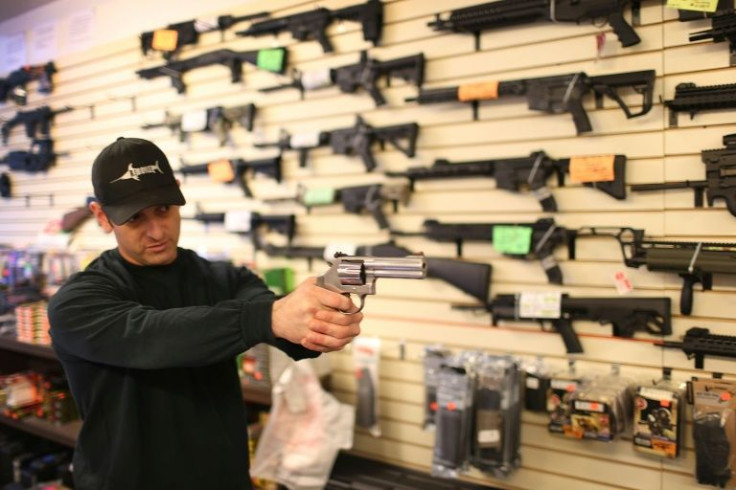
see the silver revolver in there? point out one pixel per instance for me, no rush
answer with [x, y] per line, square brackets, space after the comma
[350, 274]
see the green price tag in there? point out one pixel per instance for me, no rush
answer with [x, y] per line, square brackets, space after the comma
[516, 240]
[319, 196]
[698, 5]
[271, 59]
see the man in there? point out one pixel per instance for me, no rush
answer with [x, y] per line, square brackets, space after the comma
[148, 333]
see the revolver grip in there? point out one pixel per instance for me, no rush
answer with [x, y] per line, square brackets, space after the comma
[625, 33]
[569, 337]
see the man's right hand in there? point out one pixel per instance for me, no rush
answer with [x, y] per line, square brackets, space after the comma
[312, 316]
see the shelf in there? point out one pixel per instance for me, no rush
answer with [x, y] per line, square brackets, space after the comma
[62, 434]
[36, 350]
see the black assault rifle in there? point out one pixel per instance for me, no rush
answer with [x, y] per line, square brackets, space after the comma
[39, 158]
[36, 121]
[472, 278]
[363, 74]
[187, 32]
[723, 28]
[355, 140]
[695, 262]
[284, 224]
[693, 99]
[357, 199]
[270, 167]
[218, 120]
[273, 60]
[720, 177]
[553, 95]
[505, 13]
[312, 24]
[15, 83]
[515, 174]
[531, 241]
[627, 315]
[698, 342]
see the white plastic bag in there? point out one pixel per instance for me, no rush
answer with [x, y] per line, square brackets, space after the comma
[305, 430]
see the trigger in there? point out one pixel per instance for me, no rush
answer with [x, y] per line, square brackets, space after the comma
[360, 308]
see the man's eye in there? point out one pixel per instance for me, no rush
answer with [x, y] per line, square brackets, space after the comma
[163, 209]
[134, 218]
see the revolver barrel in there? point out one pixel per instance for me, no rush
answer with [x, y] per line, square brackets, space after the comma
[358, 275]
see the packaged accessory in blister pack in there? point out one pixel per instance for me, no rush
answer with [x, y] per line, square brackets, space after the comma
[714, 430]
[659, 411]
[434, 356]
[562, 386]
[497, 416]
[536, 385]
[366, 357]
[602, 409]
[455, 388]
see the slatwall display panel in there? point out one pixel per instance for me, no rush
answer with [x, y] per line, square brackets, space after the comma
[109, 100]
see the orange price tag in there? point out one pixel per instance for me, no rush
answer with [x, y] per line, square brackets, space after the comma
[596, 168]
[725, 396]
[664, 403]
[221, 171]
[164, 40]
[477, 91]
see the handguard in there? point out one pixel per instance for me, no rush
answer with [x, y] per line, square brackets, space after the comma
[357, 275]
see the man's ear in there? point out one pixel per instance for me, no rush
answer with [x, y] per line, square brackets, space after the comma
[100, 216]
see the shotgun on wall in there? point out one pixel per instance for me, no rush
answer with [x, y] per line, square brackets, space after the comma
[504, 13]
[695, 262]
[553, 95]
[627, 315]
[526, 241]
[473, 278]
[531, 173]
[311, 24]
[273, 60]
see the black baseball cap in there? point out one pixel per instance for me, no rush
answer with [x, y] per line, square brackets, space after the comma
[132, 174]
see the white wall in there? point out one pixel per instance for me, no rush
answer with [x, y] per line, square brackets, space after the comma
[112, 20]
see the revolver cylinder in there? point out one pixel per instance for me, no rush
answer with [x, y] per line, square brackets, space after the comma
[358, 275]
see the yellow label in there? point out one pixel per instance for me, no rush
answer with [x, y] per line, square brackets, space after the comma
[478, 91]
[221, 171]
[165, 40]
[594, 168]
[699, 5]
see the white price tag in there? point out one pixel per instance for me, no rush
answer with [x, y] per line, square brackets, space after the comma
[305, 140]
[194, 121]
[540, 305]
[316, 79]
[238, 221]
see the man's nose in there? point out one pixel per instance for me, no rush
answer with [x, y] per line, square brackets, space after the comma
[156, 228]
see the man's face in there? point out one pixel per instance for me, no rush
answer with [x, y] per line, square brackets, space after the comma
[150, 237]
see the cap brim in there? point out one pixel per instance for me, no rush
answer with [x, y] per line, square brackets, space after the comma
[121, 212]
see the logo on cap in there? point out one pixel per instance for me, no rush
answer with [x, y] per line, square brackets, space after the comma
[134, 173]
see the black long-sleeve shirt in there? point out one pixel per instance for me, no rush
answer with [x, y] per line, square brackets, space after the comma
[149, 354]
